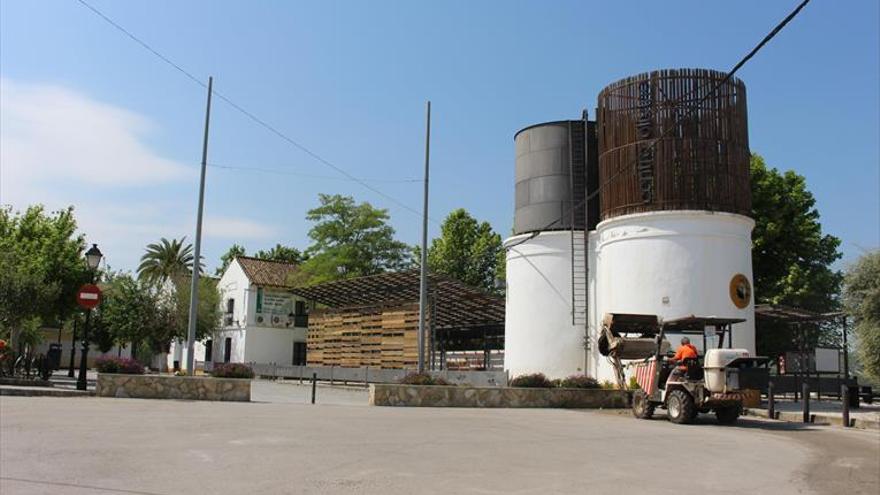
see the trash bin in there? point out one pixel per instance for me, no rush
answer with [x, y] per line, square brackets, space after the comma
[53, 356]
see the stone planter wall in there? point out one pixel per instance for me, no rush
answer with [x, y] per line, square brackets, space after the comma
[173, 387]
[449, 396]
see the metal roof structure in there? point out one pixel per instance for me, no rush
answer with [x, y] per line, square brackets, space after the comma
[454, 304]
[268, 273]
[788, 314]
[697, 324]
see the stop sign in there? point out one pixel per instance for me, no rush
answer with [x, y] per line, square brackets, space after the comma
[88, 296]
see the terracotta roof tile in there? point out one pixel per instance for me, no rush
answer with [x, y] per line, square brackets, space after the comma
[268, 272]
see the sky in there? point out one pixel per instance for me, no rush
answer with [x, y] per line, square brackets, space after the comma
[90, 118]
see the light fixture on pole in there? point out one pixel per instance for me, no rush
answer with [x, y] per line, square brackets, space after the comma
[88, 297]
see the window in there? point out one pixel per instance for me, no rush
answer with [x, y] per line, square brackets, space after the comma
[230, 306]
[299, 353]
[227, 351]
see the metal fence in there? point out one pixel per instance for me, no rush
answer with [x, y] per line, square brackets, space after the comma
[372, 375]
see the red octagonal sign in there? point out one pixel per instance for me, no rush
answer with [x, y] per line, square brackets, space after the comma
[88, 296]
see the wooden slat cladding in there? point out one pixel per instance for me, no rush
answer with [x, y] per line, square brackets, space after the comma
[375, 336]
[701, 162]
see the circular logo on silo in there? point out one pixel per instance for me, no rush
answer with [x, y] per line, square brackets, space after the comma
[740, 291]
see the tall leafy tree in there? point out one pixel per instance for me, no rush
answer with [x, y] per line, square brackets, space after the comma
[467, 250]
[233, 252]
[350, 239]
[791, 257]
[862, 303]
[288, 254]
[42, 266]
[167, 260]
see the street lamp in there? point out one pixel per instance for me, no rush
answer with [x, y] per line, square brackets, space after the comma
[93, 259]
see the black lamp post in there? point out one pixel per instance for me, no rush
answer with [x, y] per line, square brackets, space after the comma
[93, 259]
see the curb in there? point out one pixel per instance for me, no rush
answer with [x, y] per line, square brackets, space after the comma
[13, 391]
[819, 419]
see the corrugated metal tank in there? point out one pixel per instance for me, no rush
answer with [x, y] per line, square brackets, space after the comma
[551, 177]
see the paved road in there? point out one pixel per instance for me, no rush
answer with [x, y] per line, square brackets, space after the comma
[91, 445]
[291, 392]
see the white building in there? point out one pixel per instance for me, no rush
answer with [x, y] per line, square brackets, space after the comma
[262, 321]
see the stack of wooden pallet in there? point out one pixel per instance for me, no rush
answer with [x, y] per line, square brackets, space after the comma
[385, 337]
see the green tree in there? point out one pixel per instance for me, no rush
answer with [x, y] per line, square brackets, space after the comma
[207, 315]
[351, 240]
[42, 267]
[467, 250]
[167, 260]
[862, 303]
[130, 312]
[234, 251]
[24, 294]
[791, 257]
[287, 254]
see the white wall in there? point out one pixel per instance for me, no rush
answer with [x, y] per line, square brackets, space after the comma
[538, 334]
[238, 336]
[272, 345]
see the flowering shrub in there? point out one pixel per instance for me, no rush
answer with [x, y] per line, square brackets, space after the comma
[422, 379]
[126, 366]
[579, 381]
[232, 370]
[534, 380]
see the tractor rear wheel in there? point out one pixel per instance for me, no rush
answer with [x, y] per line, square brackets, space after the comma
[680, 407]
[728, 415]
[642, 408]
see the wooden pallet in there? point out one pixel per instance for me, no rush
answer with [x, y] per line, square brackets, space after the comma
[385, 337]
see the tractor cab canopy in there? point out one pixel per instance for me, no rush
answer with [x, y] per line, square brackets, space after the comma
[698, 325]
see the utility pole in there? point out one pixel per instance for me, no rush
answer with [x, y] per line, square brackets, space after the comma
[197, 254]
[423, 285]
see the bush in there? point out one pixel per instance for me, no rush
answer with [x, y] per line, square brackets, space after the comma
[232, 370]
[422, 379]
[125, 366]
[534, 380]
[579, 381]
[633, 383]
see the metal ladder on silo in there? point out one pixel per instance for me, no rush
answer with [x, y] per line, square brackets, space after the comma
[578, 278]
[577, 209]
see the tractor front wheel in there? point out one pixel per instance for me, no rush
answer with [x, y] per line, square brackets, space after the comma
[680, 407]
[728, 415]
[642, 408]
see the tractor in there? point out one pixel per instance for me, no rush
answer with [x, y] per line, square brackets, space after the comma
[708, 383]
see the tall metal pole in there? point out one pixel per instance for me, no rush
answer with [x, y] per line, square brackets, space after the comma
[423, 286]
[197, 251]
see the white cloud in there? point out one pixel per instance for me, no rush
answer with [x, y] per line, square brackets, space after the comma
[59, 147]
[50, 133]
[237, 228]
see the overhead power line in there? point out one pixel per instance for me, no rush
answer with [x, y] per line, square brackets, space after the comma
[301, 174]
[680, 117]
[247, 113]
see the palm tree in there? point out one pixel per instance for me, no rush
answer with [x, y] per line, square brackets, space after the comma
[167, 260]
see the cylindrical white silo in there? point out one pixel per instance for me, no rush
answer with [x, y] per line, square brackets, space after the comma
[545, 323]
[540, 335]
[675, 263]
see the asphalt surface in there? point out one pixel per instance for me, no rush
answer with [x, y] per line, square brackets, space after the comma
[93, 445]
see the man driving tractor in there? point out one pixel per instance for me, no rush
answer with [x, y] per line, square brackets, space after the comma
[686, 351]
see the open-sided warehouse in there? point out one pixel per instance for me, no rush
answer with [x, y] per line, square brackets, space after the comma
[373, 321]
